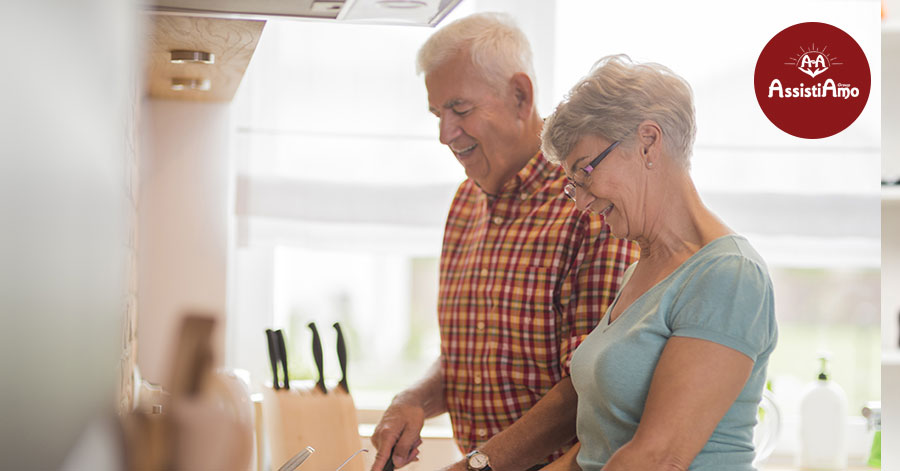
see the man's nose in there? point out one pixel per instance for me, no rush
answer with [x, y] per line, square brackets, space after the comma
[450, 130]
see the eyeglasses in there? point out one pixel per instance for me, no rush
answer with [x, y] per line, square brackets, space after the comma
[570, 188]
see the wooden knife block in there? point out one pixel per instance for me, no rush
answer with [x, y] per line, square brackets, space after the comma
[294, 419]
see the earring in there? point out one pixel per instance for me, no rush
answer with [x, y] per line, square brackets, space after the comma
[649, 164]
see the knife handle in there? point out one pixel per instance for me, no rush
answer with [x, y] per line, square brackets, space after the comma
[389, 465]
[342, 356]
[273, 357]
[317, 355]
[282, 352]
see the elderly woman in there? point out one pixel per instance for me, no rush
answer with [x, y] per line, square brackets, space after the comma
[671, 377]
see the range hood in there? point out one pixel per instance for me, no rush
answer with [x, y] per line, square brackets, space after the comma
[408, 12]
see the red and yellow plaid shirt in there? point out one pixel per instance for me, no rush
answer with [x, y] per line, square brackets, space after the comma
[525, 276]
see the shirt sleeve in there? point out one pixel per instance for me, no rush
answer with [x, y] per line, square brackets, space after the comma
[727, 300]
[592, 282]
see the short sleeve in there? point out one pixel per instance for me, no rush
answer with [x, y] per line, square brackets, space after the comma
[728, 300]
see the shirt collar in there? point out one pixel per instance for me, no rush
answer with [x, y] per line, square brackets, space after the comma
[529, 179]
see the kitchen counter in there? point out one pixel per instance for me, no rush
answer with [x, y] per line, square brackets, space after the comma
[793, 468]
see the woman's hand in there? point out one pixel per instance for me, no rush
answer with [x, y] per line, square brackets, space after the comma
[695, 383]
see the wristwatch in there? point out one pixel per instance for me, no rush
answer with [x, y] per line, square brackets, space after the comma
[477, 461]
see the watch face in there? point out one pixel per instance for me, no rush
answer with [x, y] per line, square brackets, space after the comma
[478, 461]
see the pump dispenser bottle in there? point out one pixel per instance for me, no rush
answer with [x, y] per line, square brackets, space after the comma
[823, 423]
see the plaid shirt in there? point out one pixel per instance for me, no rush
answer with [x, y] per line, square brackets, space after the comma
[525, 276]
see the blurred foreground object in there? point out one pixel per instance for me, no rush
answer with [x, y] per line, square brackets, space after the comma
[65, 151]
[208, 420]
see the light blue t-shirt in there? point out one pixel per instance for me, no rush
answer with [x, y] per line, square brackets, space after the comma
[723, 294]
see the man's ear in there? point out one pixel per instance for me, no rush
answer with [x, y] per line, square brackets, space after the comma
[523, 93]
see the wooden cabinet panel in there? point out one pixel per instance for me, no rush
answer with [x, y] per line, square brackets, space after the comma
[232, 42]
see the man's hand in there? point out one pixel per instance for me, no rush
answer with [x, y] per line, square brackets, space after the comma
[397, 434]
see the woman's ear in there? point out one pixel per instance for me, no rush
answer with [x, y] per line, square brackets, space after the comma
[523, 92]
[649, 138]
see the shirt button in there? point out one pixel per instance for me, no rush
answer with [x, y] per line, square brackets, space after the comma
[477, 379]
[498, 220]
[481, 326]
[482, 432]
[484, 272]
[523, 196]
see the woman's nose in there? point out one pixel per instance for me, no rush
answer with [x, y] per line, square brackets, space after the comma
[583, 198]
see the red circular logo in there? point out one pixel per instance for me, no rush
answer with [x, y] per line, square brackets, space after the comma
[812, 80]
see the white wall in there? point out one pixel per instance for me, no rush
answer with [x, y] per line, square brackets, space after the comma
[64, 98]
[890, 242]
[183, 218]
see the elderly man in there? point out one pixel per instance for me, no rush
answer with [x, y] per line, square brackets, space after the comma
[524, 275]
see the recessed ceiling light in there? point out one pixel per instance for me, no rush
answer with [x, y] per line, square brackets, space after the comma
[182, 56]
[402, 3]
[409, 12]
[180, 83]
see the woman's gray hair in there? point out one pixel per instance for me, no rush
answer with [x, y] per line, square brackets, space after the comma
[496, 47]
[614, 99]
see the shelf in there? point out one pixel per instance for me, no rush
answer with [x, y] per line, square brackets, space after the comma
[890, 194]
[890, 27]
[890, 357]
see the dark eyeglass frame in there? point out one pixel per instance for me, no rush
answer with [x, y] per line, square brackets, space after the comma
[569, 189]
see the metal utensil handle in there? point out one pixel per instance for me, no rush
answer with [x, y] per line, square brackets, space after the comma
[317, 355]
[282, 352]
[297, 459]
[342, 356]
[350, 458]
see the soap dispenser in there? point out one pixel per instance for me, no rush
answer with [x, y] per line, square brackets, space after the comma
[872, 413]
[823, 423]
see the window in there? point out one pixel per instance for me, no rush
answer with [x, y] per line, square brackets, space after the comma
[342, 186]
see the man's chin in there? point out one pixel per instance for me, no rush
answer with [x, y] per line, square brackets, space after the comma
[475, 171]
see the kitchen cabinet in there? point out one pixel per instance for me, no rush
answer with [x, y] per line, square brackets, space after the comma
[231, 41]
[794, 468]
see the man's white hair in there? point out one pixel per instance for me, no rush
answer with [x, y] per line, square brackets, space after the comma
[496, 47]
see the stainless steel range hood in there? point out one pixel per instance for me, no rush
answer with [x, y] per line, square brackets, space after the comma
[408, 12]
